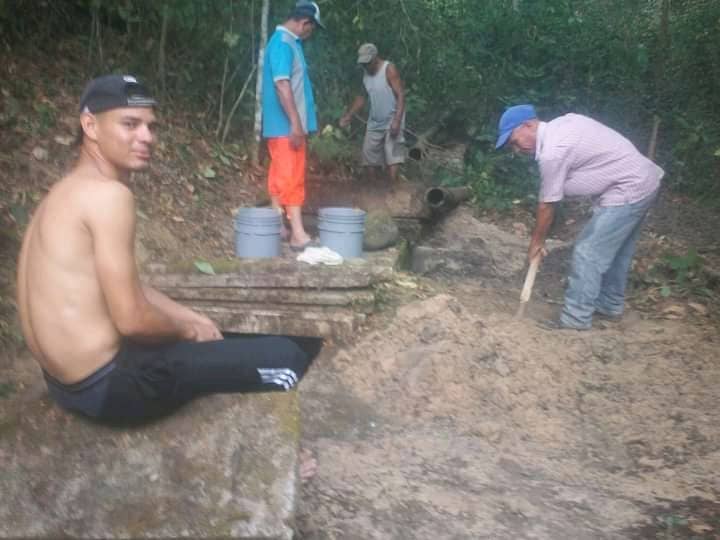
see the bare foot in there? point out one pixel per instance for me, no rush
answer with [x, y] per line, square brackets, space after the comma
[308, 465]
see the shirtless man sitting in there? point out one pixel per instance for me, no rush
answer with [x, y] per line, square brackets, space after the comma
[110, 347]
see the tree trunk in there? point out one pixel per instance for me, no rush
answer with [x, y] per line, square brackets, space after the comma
[662, 95]
[258, 86]
[95, 37]
[161, 52]
[652, 147]
[221, 106]
[235, 105]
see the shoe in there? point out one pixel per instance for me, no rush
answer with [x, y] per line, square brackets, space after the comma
[606, 317]
[301, 248]
[554, 325]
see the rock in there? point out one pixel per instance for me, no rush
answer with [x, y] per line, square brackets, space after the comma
[222, 467]
[463, 246]
[432, 262]
[40, 153]
[380, 230]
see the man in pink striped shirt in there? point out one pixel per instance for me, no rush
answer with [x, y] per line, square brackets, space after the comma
[580, 157]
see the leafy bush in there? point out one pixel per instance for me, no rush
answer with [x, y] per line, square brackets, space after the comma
[331, 147]
[499, 179]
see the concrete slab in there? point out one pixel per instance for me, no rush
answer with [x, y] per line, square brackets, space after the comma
[340, 324]
[222, 467]
[277, 273]
[280, 296]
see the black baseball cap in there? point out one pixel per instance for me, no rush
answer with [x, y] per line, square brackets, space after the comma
[115, 92]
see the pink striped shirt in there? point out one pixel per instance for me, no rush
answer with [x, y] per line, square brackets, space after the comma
[580, 157]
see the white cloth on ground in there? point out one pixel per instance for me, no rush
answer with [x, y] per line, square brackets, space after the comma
[320, 255]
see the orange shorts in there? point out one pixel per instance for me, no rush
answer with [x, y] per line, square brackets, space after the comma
[286, 177]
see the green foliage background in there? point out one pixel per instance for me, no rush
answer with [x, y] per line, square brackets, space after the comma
[620, 61]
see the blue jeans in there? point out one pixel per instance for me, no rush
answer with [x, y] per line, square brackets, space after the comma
[601, 262]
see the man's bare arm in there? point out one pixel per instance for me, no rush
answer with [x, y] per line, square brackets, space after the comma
[204, 326]
[111, 221]
[395, 82]
[287, 100]
[544, 219]
[355, 107]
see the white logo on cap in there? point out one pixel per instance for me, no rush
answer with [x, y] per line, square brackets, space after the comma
[129, 79]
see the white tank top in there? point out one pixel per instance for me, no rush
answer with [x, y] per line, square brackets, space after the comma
[382, 99]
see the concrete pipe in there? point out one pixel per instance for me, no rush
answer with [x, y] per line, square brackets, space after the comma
[442, 199]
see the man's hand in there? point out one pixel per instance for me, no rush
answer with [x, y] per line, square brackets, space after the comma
[536, 249]
[197, 330]
[395, 128]
[205, 328]
[345, 120]
[297, 137]
[207, 332]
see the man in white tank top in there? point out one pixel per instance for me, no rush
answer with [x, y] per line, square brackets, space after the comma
[384, 144]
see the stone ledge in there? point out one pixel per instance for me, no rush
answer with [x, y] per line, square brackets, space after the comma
[224, 466]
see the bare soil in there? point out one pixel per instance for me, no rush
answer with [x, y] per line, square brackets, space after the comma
[452, 419]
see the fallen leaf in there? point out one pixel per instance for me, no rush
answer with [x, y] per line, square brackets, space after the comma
[65, 140]
[205, 267]
[209, 172]
[178, 219]
[406, 283]
[702, 310]
[674, 312]
[700, 527]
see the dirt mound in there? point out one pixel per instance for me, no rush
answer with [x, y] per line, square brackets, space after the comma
[513, 431]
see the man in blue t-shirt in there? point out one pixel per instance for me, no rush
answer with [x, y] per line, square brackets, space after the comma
[289, 116]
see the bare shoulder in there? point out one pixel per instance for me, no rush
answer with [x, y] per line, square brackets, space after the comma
[392, 70]
[100, 197]
[392, 74]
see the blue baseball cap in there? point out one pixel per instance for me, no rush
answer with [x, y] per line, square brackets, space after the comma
[512, 118]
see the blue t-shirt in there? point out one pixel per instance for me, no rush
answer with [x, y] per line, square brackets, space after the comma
[284, 59]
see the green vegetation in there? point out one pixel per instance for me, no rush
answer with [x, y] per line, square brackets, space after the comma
[632, 65]
[679, 275]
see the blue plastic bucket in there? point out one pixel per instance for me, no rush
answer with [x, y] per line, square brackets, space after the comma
[257, 232]
[342, 230]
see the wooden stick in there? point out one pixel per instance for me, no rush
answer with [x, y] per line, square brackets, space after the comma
[528, 285]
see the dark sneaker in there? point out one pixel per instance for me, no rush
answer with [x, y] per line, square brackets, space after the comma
[551, 324]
